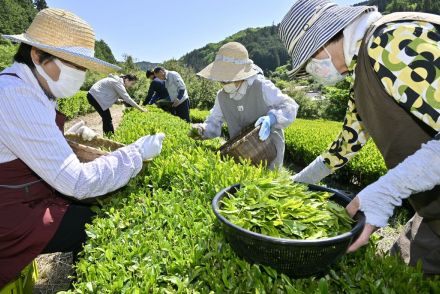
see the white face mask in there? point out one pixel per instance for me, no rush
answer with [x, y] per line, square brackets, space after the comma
[230, 88]
[68, 83]
[324, 71]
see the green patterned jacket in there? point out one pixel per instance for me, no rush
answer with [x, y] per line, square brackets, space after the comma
[406, 58]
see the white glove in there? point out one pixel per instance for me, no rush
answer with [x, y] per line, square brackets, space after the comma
[87, 133]
[150, 146]
[81, 129]
[73, 129]
[196, 131]
[313, 173]
[417, 173]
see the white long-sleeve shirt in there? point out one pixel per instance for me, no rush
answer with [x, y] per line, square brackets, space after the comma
[107, 91]
[28, 131]
[282, 107]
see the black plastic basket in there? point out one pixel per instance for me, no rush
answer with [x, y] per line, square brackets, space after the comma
[296, 258]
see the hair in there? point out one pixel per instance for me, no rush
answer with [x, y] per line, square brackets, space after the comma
[23, 55]
[149, 73]
[130, 77]
[158, 69]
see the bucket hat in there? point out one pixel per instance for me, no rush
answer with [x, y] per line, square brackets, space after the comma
[66, 36]
[310, 24]
[231, 64]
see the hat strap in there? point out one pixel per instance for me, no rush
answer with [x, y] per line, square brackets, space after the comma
[319, 10]
[232, 60]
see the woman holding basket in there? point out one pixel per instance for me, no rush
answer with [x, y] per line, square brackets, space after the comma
[246, 98]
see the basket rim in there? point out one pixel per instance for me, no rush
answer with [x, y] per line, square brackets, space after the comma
[359, 218]
[240, 138]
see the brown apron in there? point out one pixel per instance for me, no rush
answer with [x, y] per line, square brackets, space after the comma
[30, 213]
[398, 134]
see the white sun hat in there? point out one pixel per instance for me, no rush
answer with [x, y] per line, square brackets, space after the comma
[231, 64]
[66, 36]
[310, 24]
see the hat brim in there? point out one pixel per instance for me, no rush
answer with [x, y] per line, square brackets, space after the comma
[334, 20]
[222, 71]
[72, 56]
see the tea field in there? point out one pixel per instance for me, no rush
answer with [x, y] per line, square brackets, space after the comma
[306, 139]
[159, 234]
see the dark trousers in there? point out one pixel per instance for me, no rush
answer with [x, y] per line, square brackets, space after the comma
[71, 233]
[107, 122]
[182, 111]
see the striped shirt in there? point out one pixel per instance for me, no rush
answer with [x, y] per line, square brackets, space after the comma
[28, 131]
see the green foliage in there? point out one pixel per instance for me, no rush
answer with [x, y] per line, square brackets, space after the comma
[139, 91]
[91, 78]
[337, 100]
[379, 3]
[263, 44]
[7, 52]
[40, 4]
[103, 51]
[281, 208]
[16, 16]
[308, 108]
[306, 139]
[75, 105]
[159, 234]
[388, 6]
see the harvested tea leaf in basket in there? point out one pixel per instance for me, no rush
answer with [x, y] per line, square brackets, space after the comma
[284, 209]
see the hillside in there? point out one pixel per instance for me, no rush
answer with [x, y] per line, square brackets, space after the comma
[145, 65]
[388, 6]
[264, 46]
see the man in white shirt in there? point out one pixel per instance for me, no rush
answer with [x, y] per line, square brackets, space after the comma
[177, 90]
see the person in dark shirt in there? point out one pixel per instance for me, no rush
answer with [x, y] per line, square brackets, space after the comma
[157, 90]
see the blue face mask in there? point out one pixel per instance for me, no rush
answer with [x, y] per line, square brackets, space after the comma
[324, 71]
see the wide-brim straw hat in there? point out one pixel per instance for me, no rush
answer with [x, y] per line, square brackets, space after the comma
[66, 36]
[310, 24]
[231, 64]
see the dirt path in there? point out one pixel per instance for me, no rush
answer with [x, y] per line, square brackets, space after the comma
[54, 269]
[94, 121]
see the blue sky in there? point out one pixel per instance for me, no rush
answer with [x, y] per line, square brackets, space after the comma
[160, 30]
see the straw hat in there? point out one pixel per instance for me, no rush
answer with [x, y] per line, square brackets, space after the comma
[64, 35]
[310, 24]
[231, 64]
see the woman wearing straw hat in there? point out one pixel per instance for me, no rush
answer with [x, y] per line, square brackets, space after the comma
[246, 98]
[395, 62]
[37, 166]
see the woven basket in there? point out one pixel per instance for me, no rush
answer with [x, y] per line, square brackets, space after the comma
[248, 145]
[296, 258]
[90, 150]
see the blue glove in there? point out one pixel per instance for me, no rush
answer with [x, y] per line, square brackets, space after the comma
[266, 122]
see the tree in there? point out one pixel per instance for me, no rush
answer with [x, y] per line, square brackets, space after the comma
[103, 51]
[128, 65]
[40, 4]
[16, 16]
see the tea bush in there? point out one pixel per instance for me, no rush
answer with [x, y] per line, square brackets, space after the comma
[306, 139]
[75, 105]
[159, 234]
